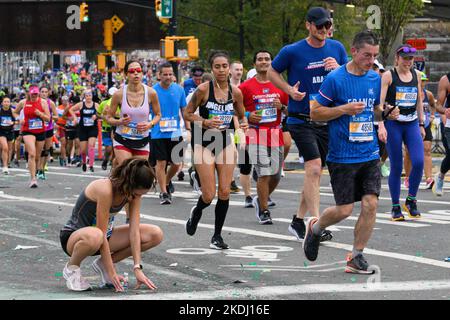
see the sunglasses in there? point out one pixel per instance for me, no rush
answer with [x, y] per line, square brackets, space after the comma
[327, 25]
[407, 50]
[133, 70]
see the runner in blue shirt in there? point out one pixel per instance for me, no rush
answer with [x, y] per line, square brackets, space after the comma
[192, 83]
[308, 62]
[349, 99]
[166, 134]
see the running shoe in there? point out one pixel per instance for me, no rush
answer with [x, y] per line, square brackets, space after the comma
[98, 267]
[358, 265]
[264, 217]
[438, 187]
[33, 183]
[429, 183]
[196, 182]
[170, 188]
[61, 162]
[397, 214]
[326, 236]
[218, 244]
[271, 203]
[46, 167]
[297, 228]
[84, 167]
[248, 202]
[105, 164]
[192, 223]
[311, 242]
[65, 163]
[164, 198]
[385, 171]
[234, 188]
[5, 170]
[40, 175]
[410, 206]
[16, 163]
[180, 176]
[74, 280]
[406, 183]
[91, 169]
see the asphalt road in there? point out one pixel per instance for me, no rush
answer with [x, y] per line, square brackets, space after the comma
[263, 262]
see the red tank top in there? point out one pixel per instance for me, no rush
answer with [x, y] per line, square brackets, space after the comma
[33, 123]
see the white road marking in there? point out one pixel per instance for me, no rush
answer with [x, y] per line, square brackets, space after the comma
[267, 292]
[337, 227]
[335, 245]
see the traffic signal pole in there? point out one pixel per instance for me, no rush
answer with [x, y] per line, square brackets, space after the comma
[173, 32]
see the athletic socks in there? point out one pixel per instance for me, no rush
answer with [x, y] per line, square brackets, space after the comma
[316, 229]
[91, 153]
[221, 212]
[355, 252]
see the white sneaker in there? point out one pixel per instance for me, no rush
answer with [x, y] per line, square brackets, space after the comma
[5, 170]
[98, 267]
[74, 280]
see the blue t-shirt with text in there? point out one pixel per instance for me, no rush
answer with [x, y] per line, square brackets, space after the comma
[171, 101]
[352, 139]
[305, 64]
[189, 86]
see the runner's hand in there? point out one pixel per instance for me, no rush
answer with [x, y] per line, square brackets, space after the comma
[277, 103]
[382, 134]
[254, 117]
[142, 279]
[295, 94]
[353, 108]
[330, 64]
[143, 126]
[125, 120]
[116, 281]
[243, 125]
[213, 123]
[422, 132]
[394, 114]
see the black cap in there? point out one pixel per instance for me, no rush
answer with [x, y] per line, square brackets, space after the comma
[318, 15]
[197, 71]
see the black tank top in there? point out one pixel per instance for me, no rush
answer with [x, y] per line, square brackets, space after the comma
[212, 108]
[86, 115]
[404, 95]
[6, 119]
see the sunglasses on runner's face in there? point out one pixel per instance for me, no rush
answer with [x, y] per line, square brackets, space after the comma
[133, 70]
[327, 25]
[407, 50]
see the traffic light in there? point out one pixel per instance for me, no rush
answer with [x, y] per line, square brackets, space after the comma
[107, 34]
[167, 49]
[158, 9]
[101, 62]
[192, 48]
[120, 60]
[84, 15]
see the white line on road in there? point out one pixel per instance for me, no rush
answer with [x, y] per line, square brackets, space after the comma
[293, 291]
[334, 245]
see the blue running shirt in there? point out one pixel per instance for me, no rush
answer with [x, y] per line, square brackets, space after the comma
[171, 101]
[305, 64]
[352, 139]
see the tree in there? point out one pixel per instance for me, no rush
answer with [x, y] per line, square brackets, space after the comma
[395, 14]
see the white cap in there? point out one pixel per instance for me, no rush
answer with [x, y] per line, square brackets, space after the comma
[112, 90]
[378, 64]
[251, 73]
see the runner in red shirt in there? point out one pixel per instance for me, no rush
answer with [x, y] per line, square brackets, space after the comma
[264, 104]
[35, 111]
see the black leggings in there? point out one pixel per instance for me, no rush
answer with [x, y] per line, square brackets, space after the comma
[445, 165]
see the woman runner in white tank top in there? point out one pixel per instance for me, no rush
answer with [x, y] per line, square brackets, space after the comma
[131, 136]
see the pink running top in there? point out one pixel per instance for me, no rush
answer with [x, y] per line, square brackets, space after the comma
[137, 114]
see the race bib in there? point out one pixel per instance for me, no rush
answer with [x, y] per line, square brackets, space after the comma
[88, 122]
[360, 128]
[168, 124]
[406, 97]
[36, 123]
[225, 116]
[131, 132]
[6, 122]
[266, 110]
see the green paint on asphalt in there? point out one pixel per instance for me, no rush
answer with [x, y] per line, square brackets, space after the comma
[353, 279]
[58, 274]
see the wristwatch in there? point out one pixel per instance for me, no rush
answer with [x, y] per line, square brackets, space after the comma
[283, 108]
[137, 266]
